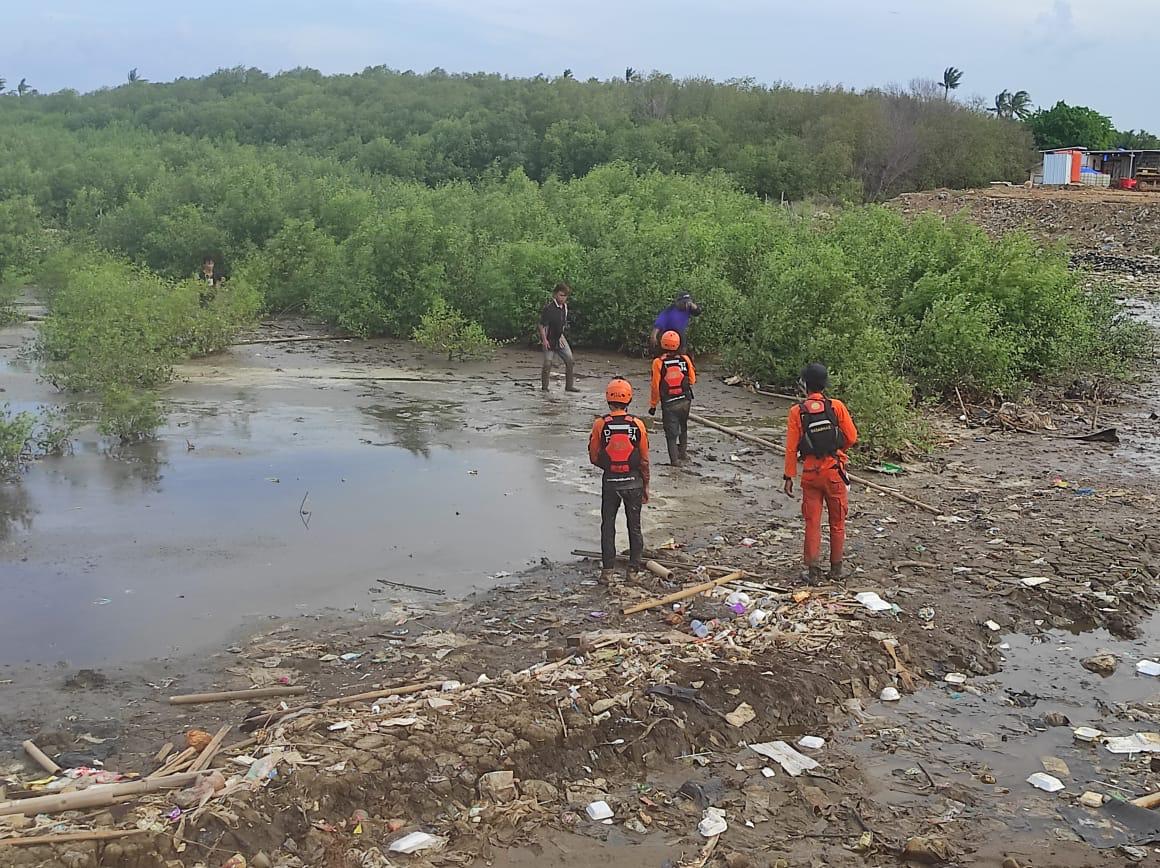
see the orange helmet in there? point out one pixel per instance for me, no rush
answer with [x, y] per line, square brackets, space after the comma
[670, 340]
[619, 391]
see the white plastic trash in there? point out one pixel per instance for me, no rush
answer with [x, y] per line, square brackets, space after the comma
[416, 841]
[739, 597]
[1035, 581]
[955, 678]
[712, 823]
[1046, 782]
[1148, 667]
[599, 810]
[1086, 733]
[890, 694]
[1141, 742]
[992, 626]
[873, 602]
[789, 759]
[811, 742]
[758, 617]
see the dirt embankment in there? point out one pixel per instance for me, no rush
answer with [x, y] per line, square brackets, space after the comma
[1112, 231]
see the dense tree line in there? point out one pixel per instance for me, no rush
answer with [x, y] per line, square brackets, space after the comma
[437, 127]
[383, 200]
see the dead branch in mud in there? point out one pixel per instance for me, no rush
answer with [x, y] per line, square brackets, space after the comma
[69, 838]
[769, 444]
[686, 593]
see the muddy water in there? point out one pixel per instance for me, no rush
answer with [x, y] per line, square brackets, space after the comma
[287, 480]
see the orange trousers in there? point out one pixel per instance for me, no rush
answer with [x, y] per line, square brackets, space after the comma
[818, 487]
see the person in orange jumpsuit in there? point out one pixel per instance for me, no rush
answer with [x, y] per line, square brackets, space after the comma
[820, 430]
[618, 445]
[673, 376]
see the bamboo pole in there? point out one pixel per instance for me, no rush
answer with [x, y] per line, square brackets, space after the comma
[685, 593]
[174, 763]
[231, 695]
[69, 837]
[1150, 801]
[769, 444]
[385, 692]
[42, 759]
[98, 796]
[658, 569]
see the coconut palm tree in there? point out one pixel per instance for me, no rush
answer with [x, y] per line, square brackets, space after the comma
[1002, 107]
[134, 77]
[951, 79]
[23, 87]
[568, 73]
[2, 83]
[1019, 105]
[631, 74]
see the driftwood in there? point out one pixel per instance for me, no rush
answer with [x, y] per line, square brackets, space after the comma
[769, 444]
[292, 340]
[69, 837]
[685, 593]
[1106, 435]
[99, 796]
[41, 758]
[175, 763]
[231, 695]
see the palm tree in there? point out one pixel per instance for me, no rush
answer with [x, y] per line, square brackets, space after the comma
[1002, 107]
[568, 73]
[23, 88]
[2, 83]
[951, 79]
[631, 74]
[1019, 105]
[134, 77]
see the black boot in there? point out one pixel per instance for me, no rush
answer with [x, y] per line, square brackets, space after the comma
[545, 376]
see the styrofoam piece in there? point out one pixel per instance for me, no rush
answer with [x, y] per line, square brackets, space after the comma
[785, 756]
[1047, 783]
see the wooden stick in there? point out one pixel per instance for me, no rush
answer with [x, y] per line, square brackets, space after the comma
[1150, 801]
[69, 837]
[962, 406]
[97, 796]
[210, 750]
[386, 691]
[769, 444]
[291, 340]
[231, 695]
[42, 759]
[174, 762]
[658, 569]
[685, 594]
[166, 750]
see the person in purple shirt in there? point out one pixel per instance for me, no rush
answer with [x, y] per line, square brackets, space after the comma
[675, 318]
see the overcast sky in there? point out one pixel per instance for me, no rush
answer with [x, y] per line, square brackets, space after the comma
[1102, 55]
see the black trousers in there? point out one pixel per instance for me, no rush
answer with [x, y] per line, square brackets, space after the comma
[675, 419]
[610, 501]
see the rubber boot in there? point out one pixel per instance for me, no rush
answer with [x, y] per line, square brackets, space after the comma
[683, 454]
[607, 577]
[545, 376]
[674, 454]
[633, 573]
[836, 571]
[570, 381]
[812, 575]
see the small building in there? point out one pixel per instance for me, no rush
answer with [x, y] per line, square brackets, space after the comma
[1063, 166]
[1142, 166]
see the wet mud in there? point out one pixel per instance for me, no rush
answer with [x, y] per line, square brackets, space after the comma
[386, 441]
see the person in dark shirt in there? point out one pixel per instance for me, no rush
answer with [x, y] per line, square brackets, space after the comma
[553, 322]
[675, 318]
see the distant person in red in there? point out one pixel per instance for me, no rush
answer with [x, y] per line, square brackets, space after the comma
[820, 430]
[553, 322]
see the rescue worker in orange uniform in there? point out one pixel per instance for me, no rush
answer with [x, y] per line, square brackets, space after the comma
[673, 377]
[820, 430]
[618, 445]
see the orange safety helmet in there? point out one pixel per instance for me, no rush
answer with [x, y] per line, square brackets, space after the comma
[619, 391]
[670, 340]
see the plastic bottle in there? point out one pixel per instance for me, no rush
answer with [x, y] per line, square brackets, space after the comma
[757, 617]
[700, 629]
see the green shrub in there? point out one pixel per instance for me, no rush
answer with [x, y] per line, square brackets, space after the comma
[965, 345]
[129, 414]
[15, 436]
[443, 329]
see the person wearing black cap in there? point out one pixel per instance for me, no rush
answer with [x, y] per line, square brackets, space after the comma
[820, 430]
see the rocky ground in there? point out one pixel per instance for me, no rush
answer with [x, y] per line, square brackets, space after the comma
[540, 702]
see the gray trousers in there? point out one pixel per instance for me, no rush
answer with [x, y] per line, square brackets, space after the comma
[563, 356]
